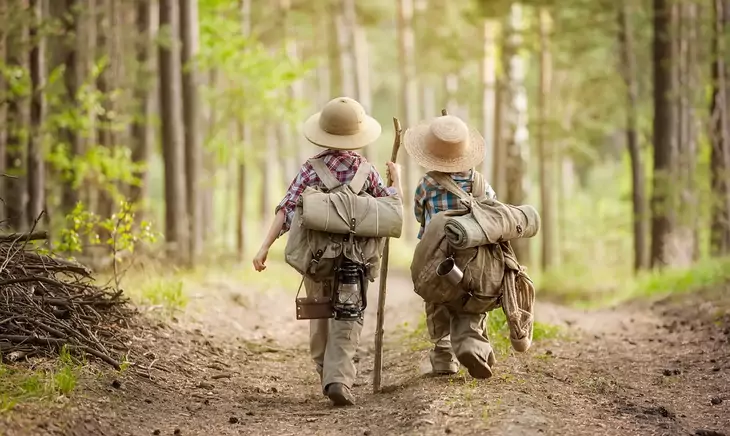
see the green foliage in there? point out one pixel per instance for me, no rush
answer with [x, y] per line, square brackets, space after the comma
[251, 79]
[19, 385]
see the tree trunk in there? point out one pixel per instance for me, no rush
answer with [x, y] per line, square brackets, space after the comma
[516, 118]
[720, 156]
[70, 135]
[499, 160]
[269, 164]
[362, 68]
[245, 135]
[16, 194]
[343, 25]
[408, 111]
[489, 94]
[141, 127]
[36, 167]
[664, 93]
[546, 162]
[191, 122]
[104, 83]
[451, 88]
[4, 16]
[172, 138]
[632, 136]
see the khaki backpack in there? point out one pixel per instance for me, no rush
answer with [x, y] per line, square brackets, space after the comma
[477, 237]
[341, 220]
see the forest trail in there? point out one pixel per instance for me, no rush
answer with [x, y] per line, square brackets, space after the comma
[237, 363]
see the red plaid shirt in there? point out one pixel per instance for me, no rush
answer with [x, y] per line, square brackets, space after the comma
[344, 165]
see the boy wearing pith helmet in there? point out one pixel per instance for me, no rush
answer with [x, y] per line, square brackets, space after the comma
[342, 127]
[450, 150]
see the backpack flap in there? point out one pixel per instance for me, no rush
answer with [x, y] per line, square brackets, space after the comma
[345, 209]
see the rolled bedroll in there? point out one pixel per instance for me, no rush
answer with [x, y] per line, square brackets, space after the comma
[490, 223]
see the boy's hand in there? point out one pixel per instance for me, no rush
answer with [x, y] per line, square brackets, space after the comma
[394, 172]
[259, 261]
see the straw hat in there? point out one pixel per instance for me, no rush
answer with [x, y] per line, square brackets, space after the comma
[342, 124]
[445, 144]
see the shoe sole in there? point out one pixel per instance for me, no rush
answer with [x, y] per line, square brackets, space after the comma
[477, 367]
[340, 399]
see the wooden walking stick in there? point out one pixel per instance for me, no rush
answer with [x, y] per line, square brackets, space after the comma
[384, 277]
[444, 112]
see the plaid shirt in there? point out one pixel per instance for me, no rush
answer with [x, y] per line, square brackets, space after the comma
[431, 198]
[344, 165]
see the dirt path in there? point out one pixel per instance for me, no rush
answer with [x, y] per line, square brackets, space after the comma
[237, 363]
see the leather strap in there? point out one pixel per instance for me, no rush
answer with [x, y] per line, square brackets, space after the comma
[361, 176]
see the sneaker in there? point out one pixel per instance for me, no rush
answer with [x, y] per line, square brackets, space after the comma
[340, 394]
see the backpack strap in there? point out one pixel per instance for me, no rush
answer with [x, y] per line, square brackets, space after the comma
[324, 173]
[361, 176]
[449, 184]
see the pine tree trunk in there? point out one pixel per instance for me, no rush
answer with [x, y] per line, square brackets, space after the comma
[632, 137]
[408, 110]
[70, 136]
[545, 159]
[36, 167]
[720, 156]
[268, 166]
[664, 139]
[489, 94]
[172, 136]
[516, 118]
[15, 154]
[499, 161]
[191, 122]
[245, 135]
[345, 47]
[4, 14]
[141, 127]
[104, 83]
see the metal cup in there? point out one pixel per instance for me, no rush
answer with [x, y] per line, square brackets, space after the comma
[448, 270]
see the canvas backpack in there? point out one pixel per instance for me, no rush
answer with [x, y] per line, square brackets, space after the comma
[339, 220]
[483, 264]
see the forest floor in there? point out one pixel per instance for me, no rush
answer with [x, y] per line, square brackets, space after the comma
[237, 363]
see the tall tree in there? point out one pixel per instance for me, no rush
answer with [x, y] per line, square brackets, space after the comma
[720, 136]
[191, 120]
[626, 39]
[244, 130]
[172, 136]
[516, 118]
[664, 103]
[4, 15]
[16, 194]
[489, 92]
[71, 136]
[546, 156]
[106, 22]
[408, 98]
[36, 168]
[143, 99]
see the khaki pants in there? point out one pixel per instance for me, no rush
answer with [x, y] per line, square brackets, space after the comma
[458, 336]
[332, 343]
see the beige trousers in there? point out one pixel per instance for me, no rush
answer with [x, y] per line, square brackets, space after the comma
[332, 343]
[457, 336]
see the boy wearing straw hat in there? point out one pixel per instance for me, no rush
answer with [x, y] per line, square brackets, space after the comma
[341, 128]
[447, 145]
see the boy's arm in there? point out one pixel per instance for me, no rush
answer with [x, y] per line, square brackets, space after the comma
[259, 261]
[490, 193]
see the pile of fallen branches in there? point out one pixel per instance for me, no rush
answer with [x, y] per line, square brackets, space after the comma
[47, 303]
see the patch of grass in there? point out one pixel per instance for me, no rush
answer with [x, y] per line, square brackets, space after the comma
[20, 385]
[167, 293]
[596, 288]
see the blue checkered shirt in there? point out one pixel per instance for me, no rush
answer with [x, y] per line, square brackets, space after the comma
[431, 198]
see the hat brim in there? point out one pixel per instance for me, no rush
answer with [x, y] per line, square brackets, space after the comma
[413, 140]
[369, 133]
